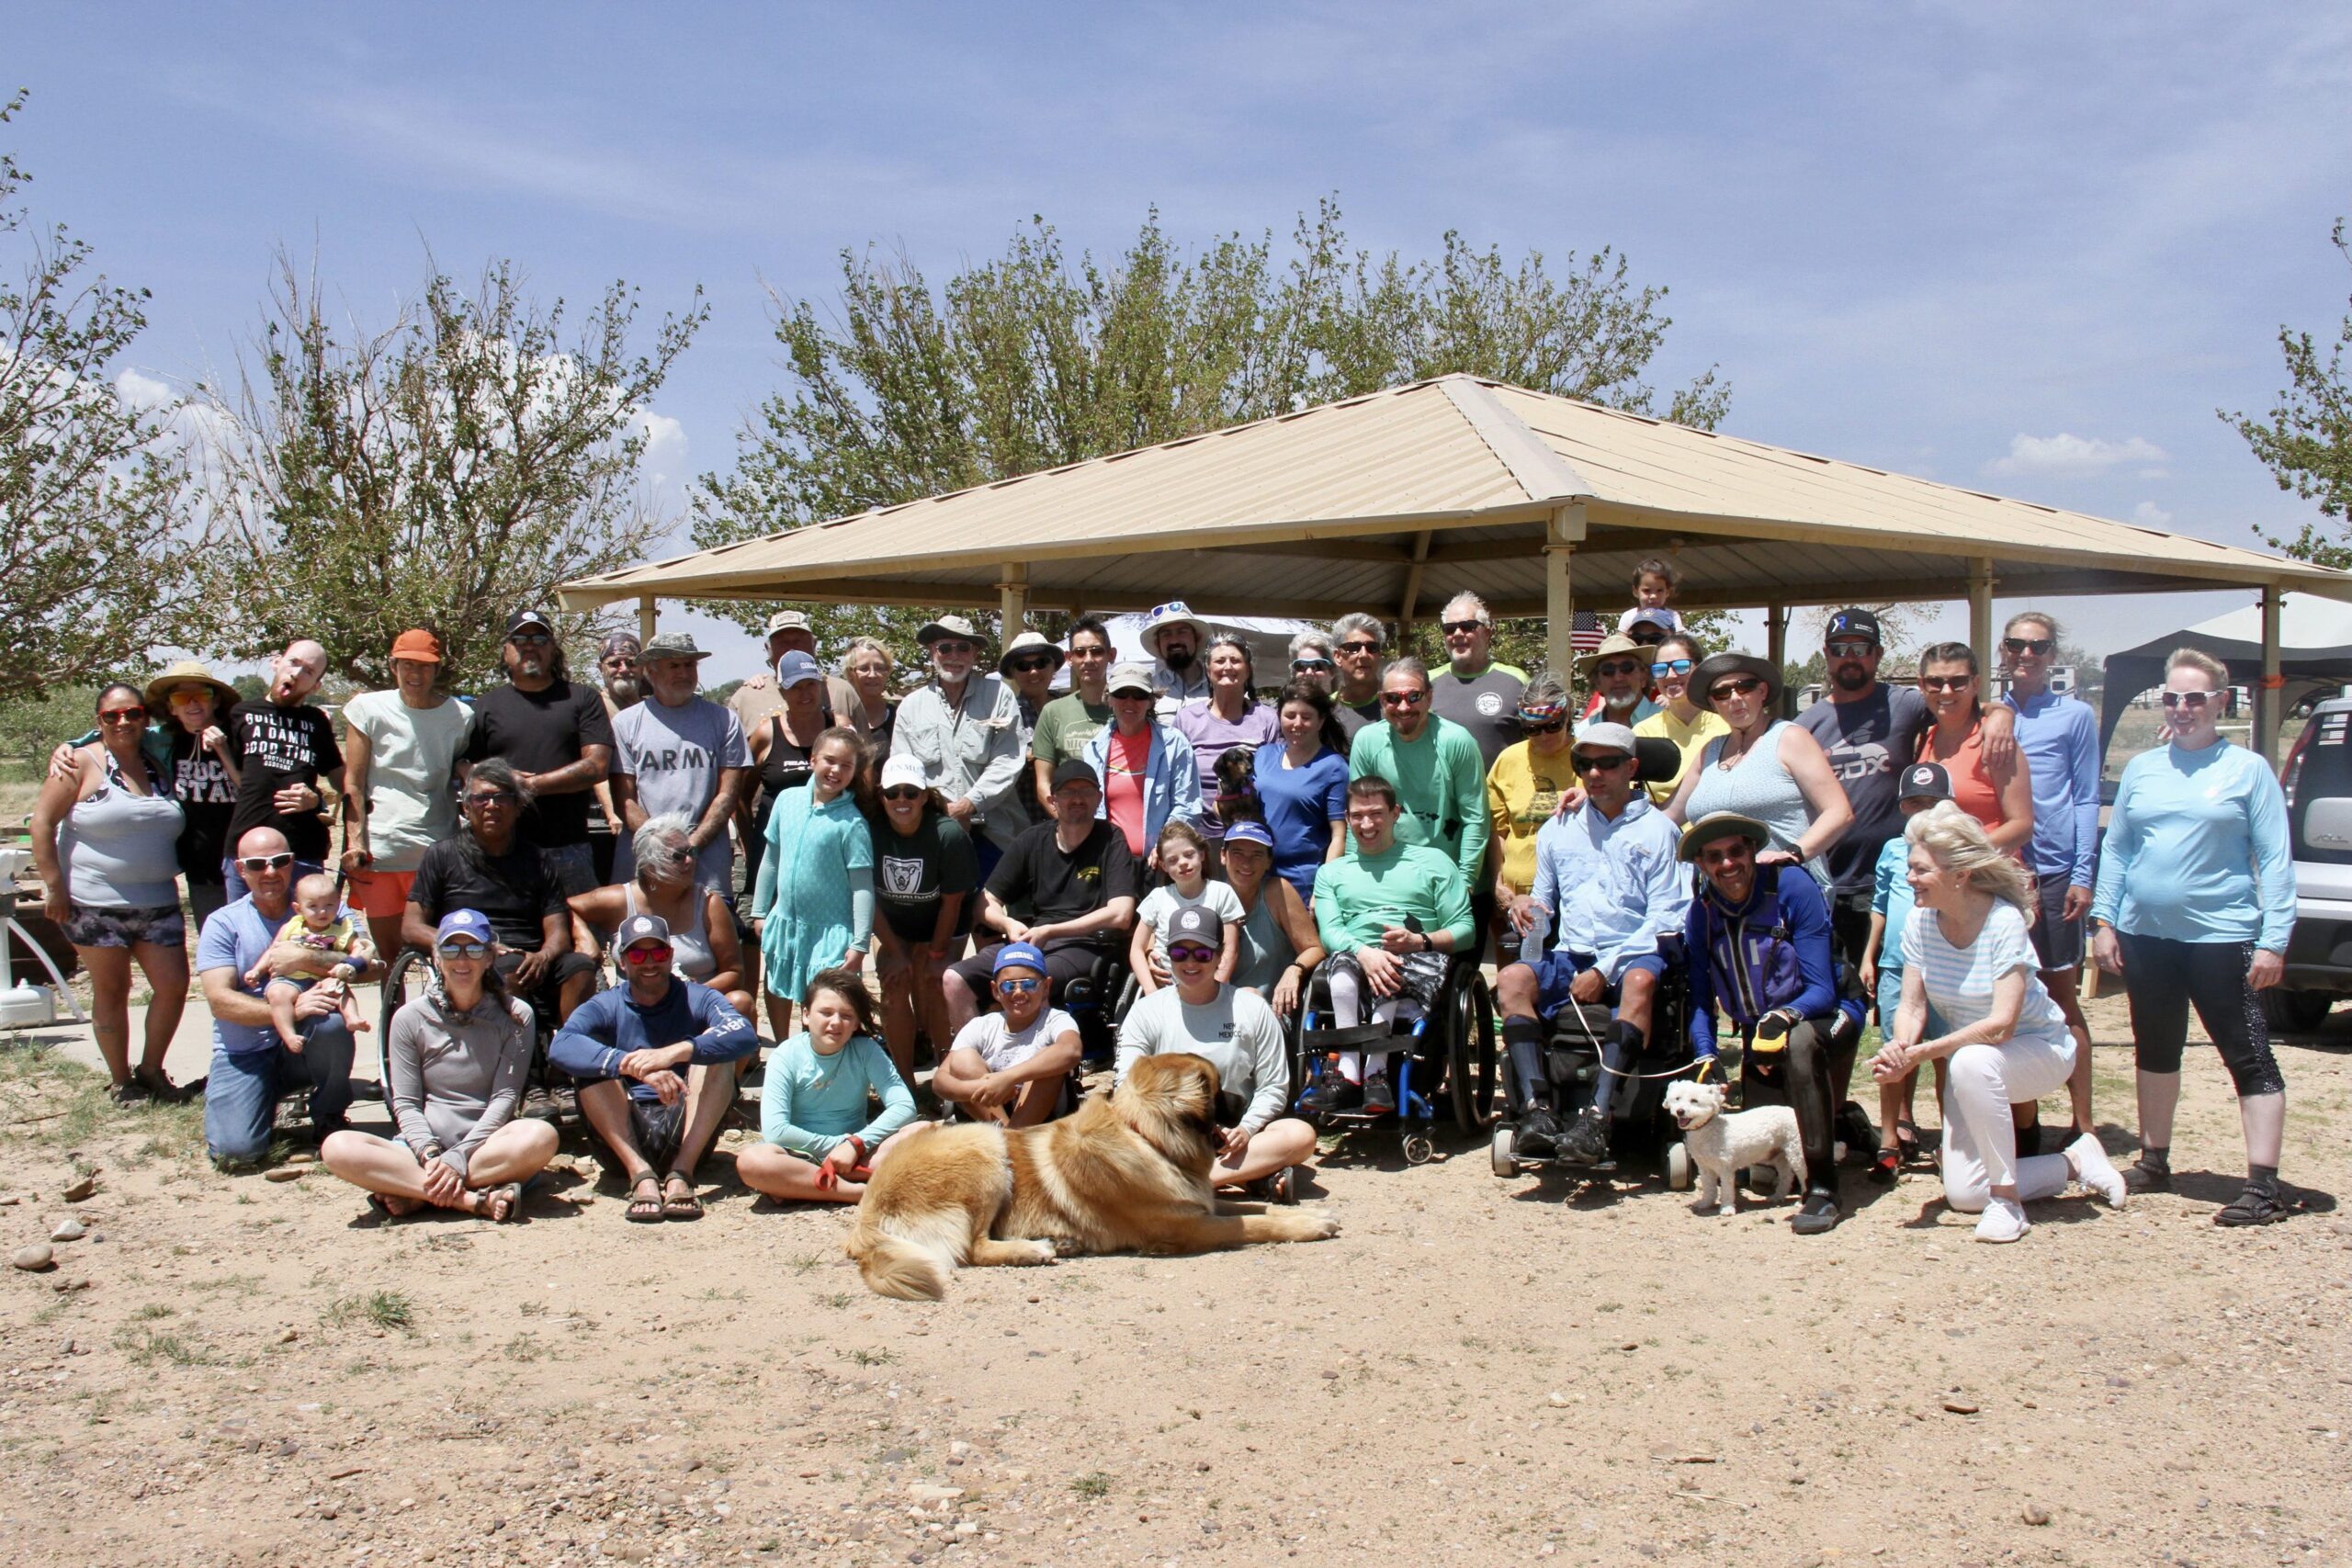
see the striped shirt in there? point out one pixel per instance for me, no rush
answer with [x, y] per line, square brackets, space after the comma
[1959, 980]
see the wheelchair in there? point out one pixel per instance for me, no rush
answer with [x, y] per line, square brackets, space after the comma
[1447, 1055]
[1640, 1133]
[1096, 1002]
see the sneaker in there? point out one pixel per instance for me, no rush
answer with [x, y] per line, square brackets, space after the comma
[2095, 1171]
[2003, 1220]
[539, 1104]
[1536, 1135]
[2259, 1204]
[1379, 1094]
[1818, 1214]
[1330, 1096]
[2142, 1177]
[1586, 1142]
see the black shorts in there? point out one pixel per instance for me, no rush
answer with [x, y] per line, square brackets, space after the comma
[162, 926]
[545, 997]
[658, 1129]
[914, 927]
[2057, 940]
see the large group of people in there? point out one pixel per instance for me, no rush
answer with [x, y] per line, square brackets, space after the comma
[1347, 837]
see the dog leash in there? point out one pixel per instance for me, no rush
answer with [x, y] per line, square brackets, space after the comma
[1600, 1057]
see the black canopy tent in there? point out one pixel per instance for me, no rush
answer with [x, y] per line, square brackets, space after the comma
[2314, 649]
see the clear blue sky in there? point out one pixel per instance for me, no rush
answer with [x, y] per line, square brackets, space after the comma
[2019, 247]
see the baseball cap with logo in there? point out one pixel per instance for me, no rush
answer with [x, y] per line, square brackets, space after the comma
[796, 668]
[521, 618]
[1017, 956]
[1195, 923]
[1855, 622]
[640, 928]
[1132, 678]
[788, 621]
[903, 772]
[1925, 781]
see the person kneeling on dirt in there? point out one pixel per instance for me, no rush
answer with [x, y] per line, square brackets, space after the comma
[676, 1044]
[1614, 872]
[1012, 1066]
[1759, 944]
[1236, 1032]
[1390, 914]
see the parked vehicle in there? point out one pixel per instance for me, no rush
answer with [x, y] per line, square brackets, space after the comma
[2317, 778]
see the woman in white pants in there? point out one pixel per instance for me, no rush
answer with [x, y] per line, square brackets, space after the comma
[1967, 954]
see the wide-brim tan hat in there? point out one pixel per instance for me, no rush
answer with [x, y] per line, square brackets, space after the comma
[190, 672]
[1715, 666]
[1032, 642]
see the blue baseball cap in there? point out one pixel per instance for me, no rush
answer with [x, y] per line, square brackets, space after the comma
[464, 922]
[640, 928]
[795, 668]
[1017, 956]
[1248, 831]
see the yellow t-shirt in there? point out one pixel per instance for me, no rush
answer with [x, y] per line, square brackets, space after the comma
[1523, 790]
[1688, 739]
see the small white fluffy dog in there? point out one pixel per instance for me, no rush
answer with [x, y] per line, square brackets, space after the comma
[1721, 1145]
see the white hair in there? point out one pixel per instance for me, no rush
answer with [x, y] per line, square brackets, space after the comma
[1479, 611]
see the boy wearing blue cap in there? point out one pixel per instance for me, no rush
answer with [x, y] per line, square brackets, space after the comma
[1010, 1065]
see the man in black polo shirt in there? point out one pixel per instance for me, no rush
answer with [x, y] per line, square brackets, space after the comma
[555, 736]
[1076, 883]
[490, 868]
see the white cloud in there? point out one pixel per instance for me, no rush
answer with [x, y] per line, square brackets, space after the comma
[2148, 514]
[141, 391]
[666, 448]
[2066, 455]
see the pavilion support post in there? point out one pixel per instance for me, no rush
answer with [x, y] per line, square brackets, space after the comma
[1012, 601]
[1980, 611]
[1562, 534]
[645, 617]
[1410, 600]
[1776, 648]
[2267, 714]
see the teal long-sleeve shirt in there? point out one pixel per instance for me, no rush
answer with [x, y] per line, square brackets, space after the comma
[2197, 850]
[809, 1103]
[1356, 897]
[1440, 782]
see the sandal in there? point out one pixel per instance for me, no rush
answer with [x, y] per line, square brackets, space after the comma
[1906, 1139]
[393, 1208]
[644, 1211]
[130, 1091]
[2255, 1206]
[1886, 1166]
[686, 1208]
[499, 1204]
[157, 1083]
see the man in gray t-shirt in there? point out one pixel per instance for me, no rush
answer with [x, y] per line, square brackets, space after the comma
[678, 753]
[1472, 691]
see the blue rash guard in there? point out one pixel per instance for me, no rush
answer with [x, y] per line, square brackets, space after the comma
[2197, 850]
[1770, 952]
[609, 1025]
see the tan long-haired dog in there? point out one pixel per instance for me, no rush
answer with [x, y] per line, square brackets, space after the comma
[1129, 1172]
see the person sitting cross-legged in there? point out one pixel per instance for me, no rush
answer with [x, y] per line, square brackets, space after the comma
[1010, 1065]
[655, 1061]
[1235, 1032]
[458, 1055]
[1612, 870]
[1389, 915]
[818, 1140]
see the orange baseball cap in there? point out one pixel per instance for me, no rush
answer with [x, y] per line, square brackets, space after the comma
[421, 645]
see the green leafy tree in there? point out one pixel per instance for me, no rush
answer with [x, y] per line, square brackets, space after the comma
[2307, 441]
[439, 472]
[95, 540]
[898, 390]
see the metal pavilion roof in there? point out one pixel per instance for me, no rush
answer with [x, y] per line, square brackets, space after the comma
[1399, 498]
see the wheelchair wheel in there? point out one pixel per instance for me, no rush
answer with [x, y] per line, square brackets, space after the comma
[404, 982]
[1419, 1149]
[1678, 1167]
[1499, 1153]
[1470, 1057]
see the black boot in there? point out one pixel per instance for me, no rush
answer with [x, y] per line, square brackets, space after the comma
[1536, 1134]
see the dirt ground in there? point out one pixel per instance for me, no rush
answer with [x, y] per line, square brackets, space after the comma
[247, 1371]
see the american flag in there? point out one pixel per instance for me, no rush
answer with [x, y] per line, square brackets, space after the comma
[1589, 629]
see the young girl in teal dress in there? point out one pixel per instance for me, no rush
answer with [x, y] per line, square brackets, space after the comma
[818, 1142]
[813, 904]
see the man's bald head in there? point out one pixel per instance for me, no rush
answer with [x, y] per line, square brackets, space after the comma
[269, 883]
[294, 673]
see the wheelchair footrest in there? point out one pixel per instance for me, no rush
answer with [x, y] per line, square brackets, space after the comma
[1360, 1037]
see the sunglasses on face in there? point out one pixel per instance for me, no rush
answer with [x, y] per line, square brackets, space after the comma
[2190, 700]
[529, 638]
[1664, 668]
[1359, 648]
[1308, 666]
[492, 797]
[1585, 764]
[265, 863]
[1029, 666]
[645, 952]
[190, 695]
[1016, 986]
[1461, 628]
[954, 647]
[902, 792]
[467, 949]
[1947, 682]
[1131, 696]
[2037, 646]
[1615, 668]
[1851, 649]
[1541, 725]
[1191, 955]
[1738, 686]
[122, 715]
[1090, 653]
[1404, 699]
